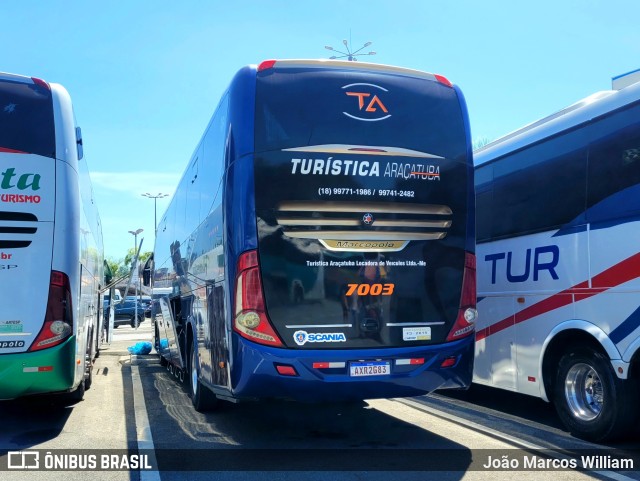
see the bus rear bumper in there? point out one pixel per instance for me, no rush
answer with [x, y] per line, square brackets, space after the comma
[324, 375]
[48, 370]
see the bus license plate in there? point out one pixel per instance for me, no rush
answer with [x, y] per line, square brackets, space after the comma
[374, 368]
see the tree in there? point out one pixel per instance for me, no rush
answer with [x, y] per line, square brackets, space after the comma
[116, 266]
[121, 267]
[144, 256]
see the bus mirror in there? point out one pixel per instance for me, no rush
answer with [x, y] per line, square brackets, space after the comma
[146, 277]
[108, 275]
[146, 272]
[79, 143]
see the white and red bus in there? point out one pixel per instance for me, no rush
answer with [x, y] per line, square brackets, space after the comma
[558, 215]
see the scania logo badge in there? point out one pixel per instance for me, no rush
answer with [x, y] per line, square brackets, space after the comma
[301, 337]
[367, 219]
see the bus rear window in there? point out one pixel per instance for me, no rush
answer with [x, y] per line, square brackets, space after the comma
[296, 108]
[26, 119]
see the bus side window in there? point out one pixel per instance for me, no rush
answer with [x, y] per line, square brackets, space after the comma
[614, 164]
[193, 216]
[484, 201]
[525, 183]
[213, 159]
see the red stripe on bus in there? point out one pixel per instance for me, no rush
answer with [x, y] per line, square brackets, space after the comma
[622, 272]
[4, 150]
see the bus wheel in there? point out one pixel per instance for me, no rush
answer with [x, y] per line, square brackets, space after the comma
[201, 397]
[590, 399]
[88, 369]
[163, 361]
[73, 397]
[77, 395]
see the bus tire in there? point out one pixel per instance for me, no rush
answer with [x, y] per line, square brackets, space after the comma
[73, 397]
[201, 397]
[590, 399]
[78, 394]
[88, 369]
[163, 361]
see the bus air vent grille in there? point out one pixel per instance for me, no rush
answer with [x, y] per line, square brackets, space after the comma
[383, 221]
[16, 229]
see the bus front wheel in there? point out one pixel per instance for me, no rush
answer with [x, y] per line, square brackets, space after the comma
[590, 399]
[201, 397]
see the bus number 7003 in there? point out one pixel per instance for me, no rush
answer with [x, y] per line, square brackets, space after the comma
[370, 289]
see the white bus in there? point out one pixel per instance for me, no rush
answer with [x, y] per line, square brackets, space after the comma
[558, 223]
[51, 253]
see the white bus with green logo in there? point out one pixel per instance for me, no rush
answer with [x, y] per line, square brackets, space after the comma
[51, 253]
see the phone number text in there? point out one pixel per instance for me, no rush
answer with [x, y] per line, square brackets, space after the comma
[339, 191]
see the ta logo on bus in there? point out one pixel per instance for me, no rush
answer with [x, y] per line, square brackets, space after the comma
[24, 181]
[367, 104]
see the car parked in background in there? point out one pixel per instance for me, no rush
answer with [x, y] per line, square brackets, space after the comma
[145, 302]
[117, 297]
[125, 312]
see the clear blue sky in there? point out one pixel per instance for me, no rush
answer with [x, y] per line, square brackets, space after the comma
[145, 76]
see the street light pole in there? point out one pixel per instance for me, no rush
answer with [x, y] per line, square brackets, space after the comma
[135, 286]
[155, 207]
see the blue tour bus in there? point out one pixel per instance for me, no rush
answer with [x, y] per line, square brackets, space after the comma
[321, 244]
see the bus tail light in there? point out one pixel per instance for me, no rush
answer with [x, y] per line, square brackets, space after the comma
[449, 362]
[286, 370]
[41, 83]
[443, 80]
[58, 320]
[250, 320]
[266, 65]
[467, 314]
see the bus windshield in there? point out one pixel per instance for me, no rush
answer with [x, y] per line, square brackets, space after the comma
[26, 118]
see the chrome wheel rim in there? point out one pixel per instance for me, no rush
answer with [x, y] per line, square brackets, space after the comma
[584, 392]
